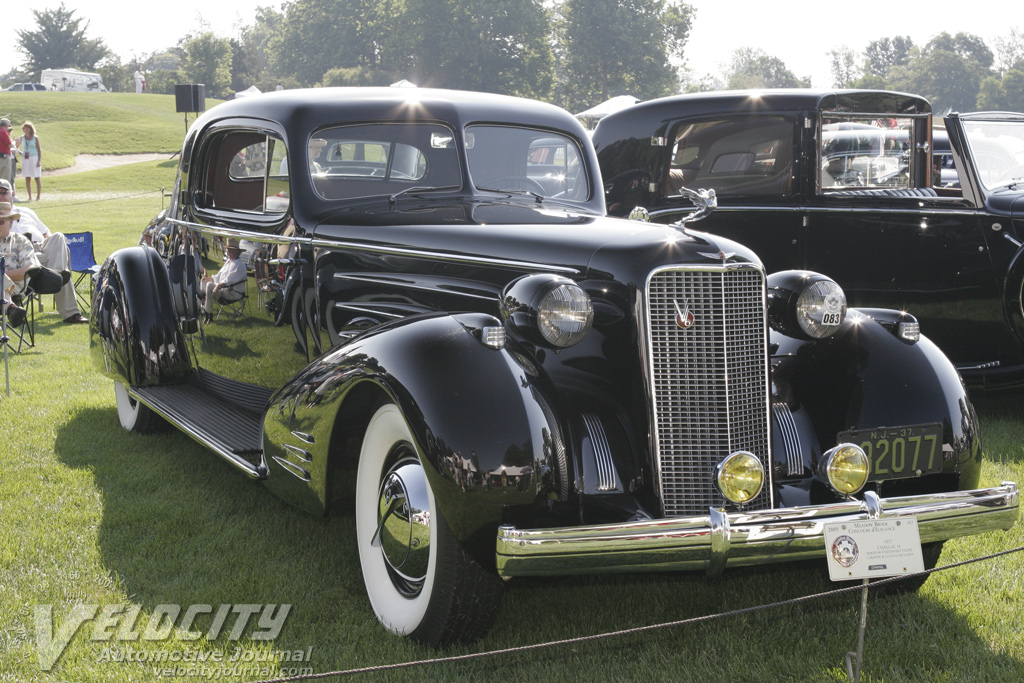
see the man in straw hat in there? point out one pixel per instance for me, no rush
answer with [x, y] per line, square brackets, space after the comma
[51, 251]
[232, 274]
[19, 257]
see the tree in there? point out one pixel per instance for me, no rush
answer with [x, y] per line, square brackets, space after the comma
[844, 73]
[208, 61]
[1010, 52]
[948, 71]
[59, 42]
[885, 54]
[752, 68]
[619, 47]
[485, 45]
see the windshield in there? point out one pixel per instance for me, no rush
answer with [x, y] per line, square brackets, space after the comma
[527, 161]
[997, 148]
[381, 159]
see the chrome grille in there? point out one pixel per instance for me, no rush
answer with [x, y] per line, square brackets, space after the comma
[709, 381]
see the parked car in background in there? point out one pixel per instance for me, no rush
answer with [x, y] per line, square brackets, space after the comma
[499, 379]
[25, 86]
[853, 184]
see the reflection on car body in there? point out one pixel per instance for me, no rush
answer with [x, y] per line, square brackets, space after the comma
[501, 380]
[854, 184]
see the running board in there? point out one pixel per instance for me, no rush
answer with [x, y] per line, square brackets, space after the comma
[232, 431]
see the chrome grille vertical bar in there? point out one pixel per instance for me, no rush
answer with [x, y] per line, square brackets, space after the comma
[709, 381]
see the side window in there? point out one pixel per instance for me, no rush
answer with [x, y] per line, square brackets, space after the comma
[865, 152]
[243, 173]
[733, 156]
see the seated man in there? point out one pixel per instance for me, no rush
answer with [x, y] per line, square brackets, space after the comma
[225, 280]
[51, 251]
[19, 257]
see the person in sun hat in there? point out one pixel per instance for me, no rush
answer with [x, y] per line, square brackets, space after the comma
[51, 251]
[232, 274]
[19, 257]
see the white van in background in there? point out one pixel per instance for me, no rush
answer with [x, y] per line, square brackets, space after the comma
[72, 80]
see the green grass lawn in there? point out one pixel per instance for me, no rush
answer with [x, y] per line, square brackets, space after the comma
[93, 515]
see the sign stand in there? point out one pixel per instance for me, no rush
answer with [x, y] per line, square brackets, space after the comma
[853, 665]
[871, 548]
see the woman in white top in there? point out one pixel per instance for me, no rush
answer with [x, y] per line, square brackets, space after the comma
[31, 158]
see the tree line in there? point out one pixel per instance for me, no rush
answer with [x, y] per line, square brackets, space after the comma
[574, 53]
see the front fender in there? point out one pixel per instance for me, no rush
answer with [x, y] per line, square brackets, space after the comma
[134, 335]
[865, 377]
[483, 428]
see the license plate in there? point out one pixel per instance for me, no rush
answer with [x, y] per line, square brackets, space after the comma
[899, 452]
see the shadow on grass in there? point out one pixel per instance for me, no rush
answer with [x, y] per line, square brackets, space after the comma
[180, 527]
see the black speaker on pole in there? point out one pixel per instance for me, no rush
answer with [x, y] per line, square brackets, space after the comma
[190, 97]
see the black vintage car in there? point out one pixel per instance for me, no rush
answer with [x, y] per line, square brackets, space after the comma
[502, 380]
[845, 182]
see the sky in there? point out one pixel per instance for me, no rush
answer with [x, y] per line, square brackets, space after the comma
[800, 34]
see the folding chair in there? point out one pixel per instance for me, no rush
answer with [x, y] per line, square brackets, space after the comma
[83, 262]
[232, 300]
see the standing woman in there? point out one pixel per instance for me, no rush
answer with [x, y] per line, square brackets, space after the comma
[31, 158]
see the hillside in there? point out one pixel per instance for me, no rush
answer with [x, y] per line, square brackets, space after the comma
[97, 123]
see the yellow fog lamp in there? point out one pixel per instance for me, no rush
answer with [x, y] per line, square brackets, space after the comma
[845, 468]
[740, 477]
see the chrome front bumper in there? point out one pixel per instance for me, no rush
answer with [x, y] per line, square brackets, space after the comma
[722, 539]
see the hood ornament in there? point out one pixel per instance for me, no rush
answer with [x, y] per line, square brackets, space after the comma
[704, 202]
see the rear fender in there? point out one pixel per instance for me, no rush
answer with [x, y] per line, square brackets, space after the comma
[134, 335]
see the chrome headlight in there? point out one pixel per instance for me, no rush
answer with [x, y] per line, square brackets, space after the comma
[845, 468]
[548, 309]
[806, 305]
[740, 477]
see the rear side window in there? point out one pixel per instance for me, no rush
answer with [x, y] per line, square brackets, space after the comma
[865, 152]
[243, 173]
[732, 155]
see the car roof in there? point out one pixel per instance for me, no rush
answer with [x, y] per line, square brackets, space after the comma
[305, 110]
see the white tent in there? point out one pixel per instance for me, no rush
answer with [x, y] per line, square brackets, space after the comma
[251, 90]
[590, 117]
[403, 84]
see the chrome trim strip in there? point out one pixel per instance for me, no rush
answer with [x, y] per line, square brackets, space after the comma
[366, 309]
[606, 479]
[526, 266]
[391, 281]
[790, 438]
[292, 468]
[721, 539]
[262, 237]
[303, 436]
[300, 453]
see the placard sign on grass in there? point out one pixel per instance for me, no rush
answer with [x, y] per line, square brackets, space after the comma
[876, 548]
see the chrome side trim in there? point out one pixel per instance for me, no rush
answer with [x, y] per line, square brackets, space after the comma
[396, 282]
[718, 539]
[304, 437]
[525, 266]
[606, 479]
[292, 468]
[790, 438]
[367, 309]
[301, 453]
[262, 237]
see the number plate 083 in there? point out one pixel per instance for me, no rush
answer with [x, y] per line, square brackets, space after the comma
[899, 452]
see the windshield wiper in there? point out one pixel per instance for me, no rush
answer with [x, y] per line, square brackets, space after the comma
[510, 191]
[393, 198]
[1008, 184]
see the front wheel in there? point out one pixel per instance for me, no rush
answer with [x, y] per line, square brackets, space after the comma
[133, 415]
[420, 582]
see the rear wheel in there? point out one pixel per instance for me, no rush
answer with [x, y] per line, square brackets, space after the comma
[133, 415]
[420, 582]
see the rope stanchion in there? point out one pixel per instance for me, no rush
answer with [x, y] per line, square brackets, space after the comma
[118, 198]
[628, 631]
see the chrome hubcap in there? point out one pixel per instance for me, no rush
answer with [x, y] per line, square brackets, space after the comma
[403, 525]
